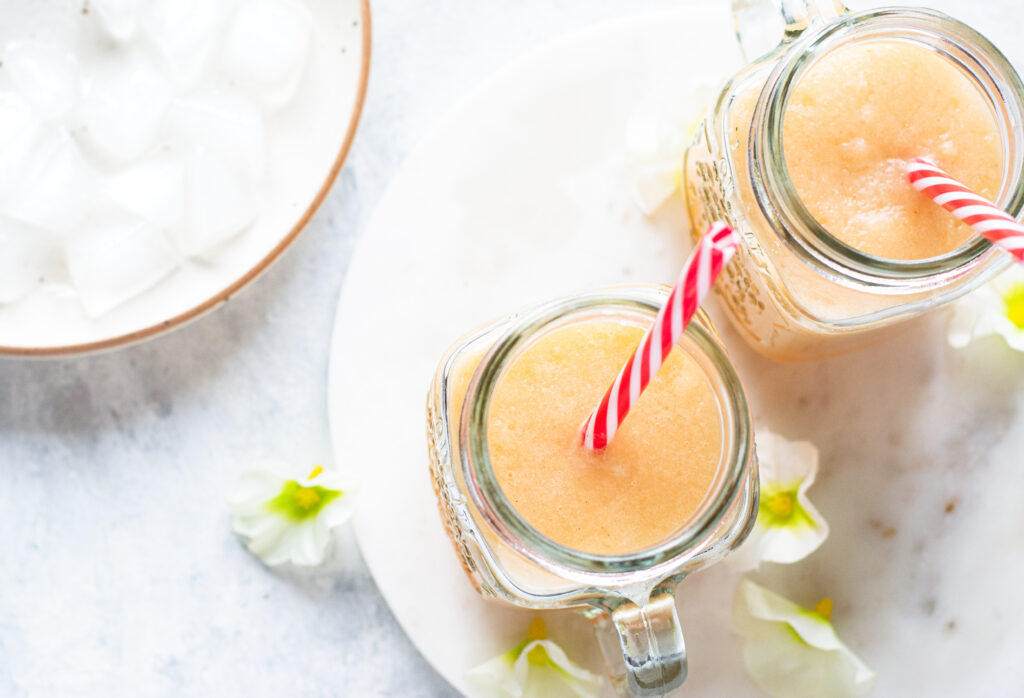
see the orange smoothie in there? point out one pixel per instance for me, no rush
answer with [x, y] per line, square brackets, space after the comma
[854, 120]
[649, 481]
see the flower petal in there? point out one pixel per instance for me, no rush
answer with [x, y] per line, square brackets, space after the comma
[269, 540]
[781, 460]
[307, 547]
[764, 605]
[559, 673]
[283, 549]
[792, 652]
[1014, 339]
[962, 323]
[255, 486]
[748, 556]
[1008, 279]
[264, 506]
[331, 479]
[536, 669]
[1013, 335]
[984, 312]
[259, 526]
[974, 316]
[320, 534]
[547, 682]
[657, 133]
[497, 674]
[788, 526]
[339, 511]
[788, 544]
[654, 184]
[782, 545]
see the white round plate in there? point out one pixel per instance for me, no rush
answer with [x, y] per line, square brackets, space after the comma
[307, 143]
[521, 195]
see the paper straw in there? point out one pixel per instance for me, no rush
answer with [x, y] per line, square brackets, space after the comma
[714, 249]
[987, 219]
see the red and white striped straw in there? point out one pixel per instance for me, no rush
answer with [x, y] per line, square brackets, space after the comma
[709, 257]
[987, 219]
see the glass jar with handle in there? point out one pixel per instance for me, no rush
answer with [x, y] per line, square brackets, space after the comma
[799, 289]
[628, 594]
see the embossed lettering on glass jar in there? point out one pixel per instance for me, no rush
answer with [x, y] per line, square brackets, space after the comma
[794, 290]
[628, 596]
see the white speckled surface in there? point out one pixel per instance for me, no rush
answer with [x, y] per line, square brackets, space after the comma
[120, 576]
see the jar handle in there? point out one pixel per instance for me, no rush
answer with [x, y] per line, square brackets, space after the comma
[643, 645]
[757, 21]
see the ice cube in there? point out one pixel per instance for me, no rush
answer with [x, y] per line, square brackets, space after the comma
[45, 74]
[184, 33]
[222, 121]
[123, 108]
[24, 257]
[120, 18]
[267, 47]
[219, 202]
[20, 128]
[115, 258]
[56, 188]
[153, 189]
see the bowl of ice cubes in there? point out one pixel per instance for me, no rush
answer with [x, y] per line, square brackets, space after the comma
[157, 155]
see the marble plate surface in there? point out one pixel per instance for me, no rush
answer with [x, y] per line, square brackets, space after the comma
[520, 195]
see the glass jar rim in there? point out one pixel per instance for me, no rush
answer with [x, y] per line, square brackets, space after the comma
[777, 197]
[499, 512]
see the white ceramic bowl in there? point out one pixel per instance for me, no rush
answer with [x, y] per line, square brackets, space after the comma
[306, 146]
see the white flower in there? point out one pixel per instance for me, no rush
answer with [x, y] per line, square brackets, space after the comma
[788, 527]
[536, 668]
[995, 308]
[791, 652]
[285, 516]
[657, 134]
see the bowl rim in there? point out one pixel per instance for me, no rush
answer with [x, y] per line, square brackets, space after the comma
[225, 294]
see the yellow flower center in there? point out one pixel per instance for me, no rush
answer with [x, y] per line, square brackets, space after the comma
[306, 497]
[538, 656]
[297, 502]
[1014, 300]
[780, 504]
[824, 608]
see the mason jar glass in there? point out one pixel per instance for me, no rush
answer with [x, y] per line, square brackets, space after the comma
[629, 597]
[793, 290]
